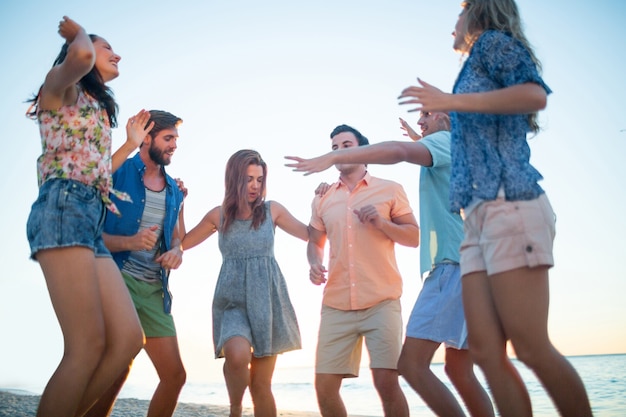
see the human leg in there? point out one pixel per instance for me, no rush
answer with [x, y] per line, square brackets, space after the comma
[338, 355]
[414, 366]
[327, 388]
[460, 369]
[104, 406]
[381, 326]
[75, 297]
[522, 297]
[487, 343]
[124, 336]
[165, 355]
[238, 355]
[391, 395]
[261, 372]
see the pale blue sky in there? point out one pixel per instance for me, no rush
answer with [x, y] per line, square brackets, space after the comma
[278, 76]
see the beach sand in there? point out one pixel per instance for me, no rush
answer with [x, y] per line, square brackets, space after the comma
[18, 404]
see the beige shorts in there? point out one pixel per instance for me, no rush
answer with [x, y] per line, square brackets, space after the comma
[341, 337]
[504, 235]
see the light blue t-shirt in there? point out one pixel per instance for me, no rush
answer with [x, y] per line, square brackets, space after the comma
[441, 231]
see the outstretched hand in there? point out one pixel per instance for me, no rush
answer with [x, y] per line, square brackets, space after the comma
[409, 130]
[309, 166]
[136, 129]
[427, 97]
[68, 29]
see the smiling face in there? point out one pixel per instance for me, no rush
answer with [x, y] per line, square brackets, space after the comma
[255, 177]
[163, 145]
[431, 122]
[106, 59]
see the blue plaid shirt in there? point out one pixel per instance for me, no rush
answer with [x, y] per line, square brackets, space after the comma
[490, 150]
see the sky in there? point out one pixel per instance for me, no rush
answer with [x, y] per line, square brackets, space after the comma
[278, 76]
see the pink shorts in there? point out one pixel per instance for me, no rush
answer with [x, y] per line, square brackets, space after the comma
[504, 235]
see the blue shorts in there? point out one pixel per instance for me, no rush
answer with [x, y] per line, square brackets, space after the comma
[67, 213]
[438, 312]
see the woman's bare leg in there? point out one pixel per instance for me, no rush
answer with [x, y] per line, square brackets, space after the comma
[261, 372]
[522, 298]
[487, 343]
[238, 354]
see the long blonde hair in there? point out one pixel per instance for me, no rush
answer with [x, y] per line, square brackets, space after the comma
[500, 15]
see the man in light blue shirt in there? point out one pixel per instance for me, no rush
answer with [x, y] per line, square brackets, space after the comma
[438, 313]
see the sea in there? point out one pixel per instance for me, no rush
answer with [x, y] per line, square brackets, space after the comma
[604, 377]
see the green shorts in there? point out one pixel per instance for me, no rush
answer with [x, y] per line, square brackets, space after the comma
[148, 300]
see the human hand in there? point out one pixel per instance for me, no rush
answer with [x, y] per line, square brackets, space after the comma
[322, 188]
[428, 98]
[171, 259]
[409, 130]
[317, 274]
[310, 166]
[145, 239]
[181, 187]
[136, 129]
[68, 29]
[369, 215]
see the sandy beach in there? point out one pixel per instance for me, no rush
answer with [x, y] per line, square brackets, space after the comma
[17, 404]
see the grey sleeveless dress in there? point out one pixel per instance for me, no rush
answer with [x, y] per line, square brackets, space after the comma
[251, 298]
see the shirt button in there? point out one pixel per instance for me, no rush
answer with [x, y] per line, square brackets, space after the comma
[529, 248]
[474, 186]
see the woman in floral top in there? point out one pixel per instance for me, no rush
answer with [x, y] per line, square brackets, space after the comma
[509, 224]
[75, 111]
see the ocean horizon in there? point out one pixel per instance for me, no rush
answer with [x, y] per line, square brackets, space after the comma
[604, 377]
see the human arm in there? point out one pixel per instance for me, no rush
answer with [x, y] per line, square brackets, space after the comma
[385, 153]
[59, 87]
[207, 226]
[516, 99]
[315, 255]
[136, 131]
[401, 229]
[286, 221]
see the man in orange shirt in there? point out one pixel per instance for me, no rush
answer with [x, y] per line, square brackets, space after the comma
[363, 217]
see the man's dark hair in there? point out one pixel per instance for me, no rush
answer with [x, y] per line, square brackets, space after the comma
[362, 140]
[162, 120]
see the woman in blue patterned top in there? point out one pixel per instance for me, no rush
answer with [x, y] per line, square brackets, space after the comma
[509, 223]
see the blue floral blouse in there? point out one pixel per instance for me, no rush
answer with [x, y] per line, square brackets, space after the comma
[490, 150]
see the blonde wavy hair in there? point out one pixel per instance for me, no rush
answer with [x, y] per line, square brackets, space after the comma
[500, 15]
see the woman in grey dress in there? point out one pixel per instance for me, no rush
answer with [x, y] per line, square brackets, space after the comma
[253, 319]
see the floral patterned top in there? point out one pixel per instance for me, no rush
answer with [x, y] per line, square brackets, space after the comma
[490, 151]
[76, 145]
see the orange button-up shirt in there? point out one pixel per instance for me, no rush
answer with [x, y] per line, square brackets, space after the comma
[362, 270]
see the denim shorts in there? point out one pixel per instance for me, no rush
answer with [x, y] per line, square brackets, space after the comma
[67, 213]
[504, 235]
[438, 312]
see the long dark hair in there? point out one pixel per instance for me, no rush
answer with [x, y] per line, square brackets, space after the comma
[236, 184]
[91, 84]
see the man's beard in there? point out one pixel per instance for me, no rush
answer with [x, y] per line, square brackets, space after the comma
[157, 155]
